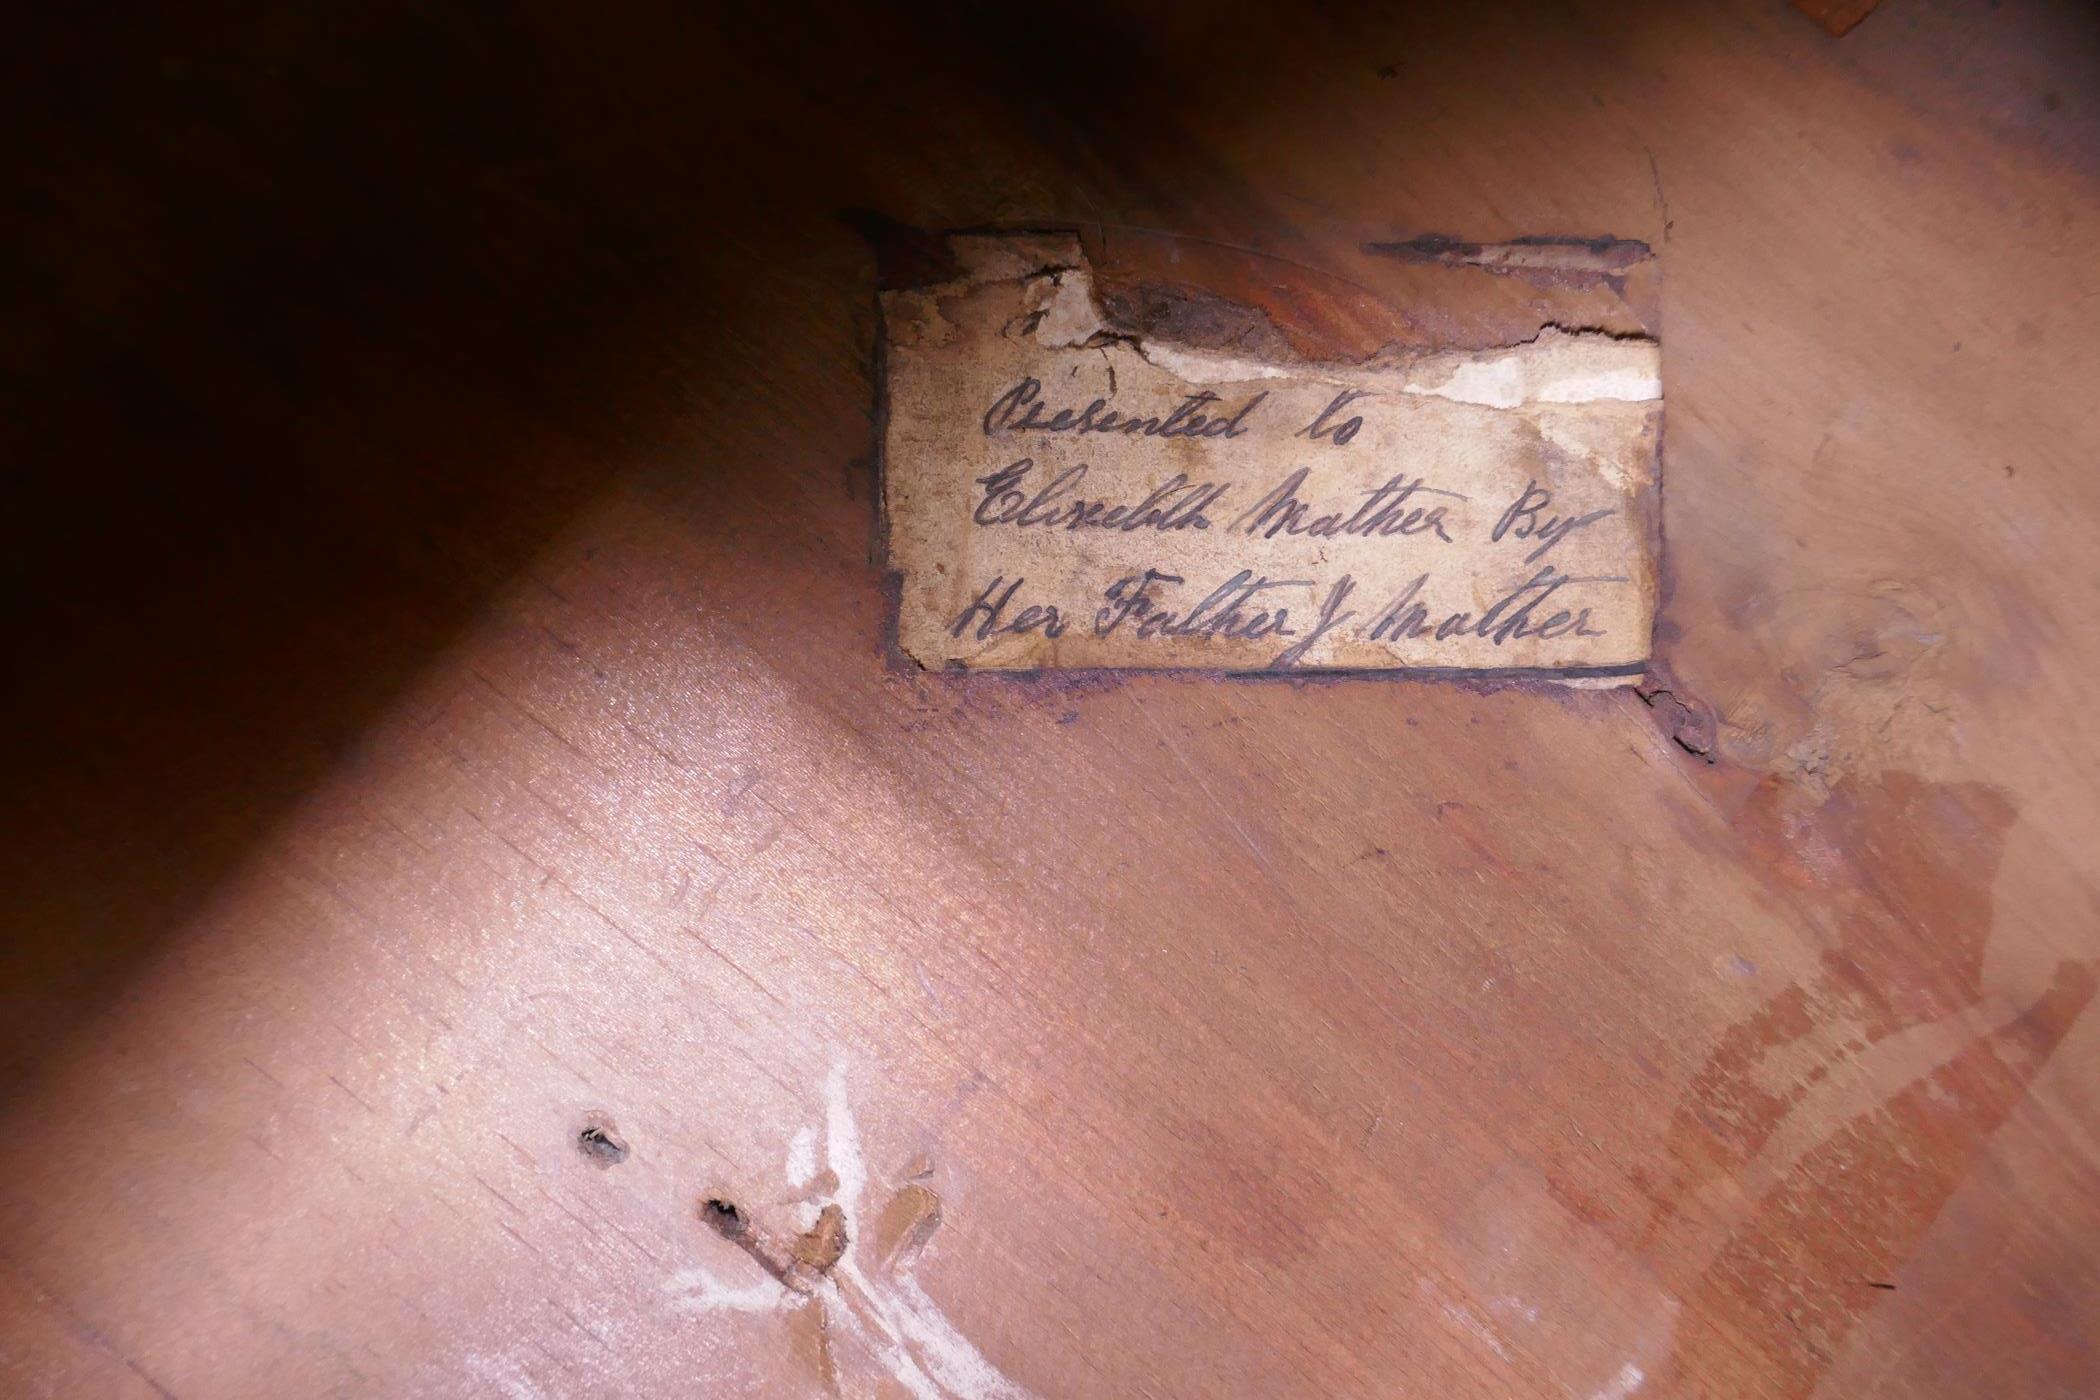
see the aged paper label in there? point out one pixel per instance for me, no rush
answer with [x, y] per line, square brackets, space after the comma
[1058, 493]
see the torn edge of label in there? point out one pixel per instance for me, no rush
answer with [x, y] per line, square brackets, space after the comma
[1560, 365]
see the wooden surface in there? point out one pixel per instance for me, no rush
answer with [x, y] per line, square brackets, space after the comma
[454, 702]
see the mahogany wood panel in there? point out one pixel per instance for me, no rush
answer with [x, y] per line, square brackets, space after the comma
[454, 702]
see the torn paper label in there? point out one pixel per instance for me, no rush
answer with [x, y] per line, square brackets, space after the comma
[1060, 493]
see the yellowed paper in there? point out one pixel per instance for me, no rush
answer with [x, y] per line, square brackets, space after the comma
[1059, 494]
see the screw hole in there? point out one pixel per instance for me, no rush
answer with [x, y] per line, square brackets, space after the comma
[600, 1141]
[724, 1216]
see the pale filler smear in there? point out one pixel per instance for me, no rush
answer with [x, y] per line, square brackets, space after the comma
[1061, 492]
[876, 1307]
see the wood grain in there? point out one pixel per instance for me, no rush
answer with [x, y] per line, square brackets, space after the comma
[457, 707]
